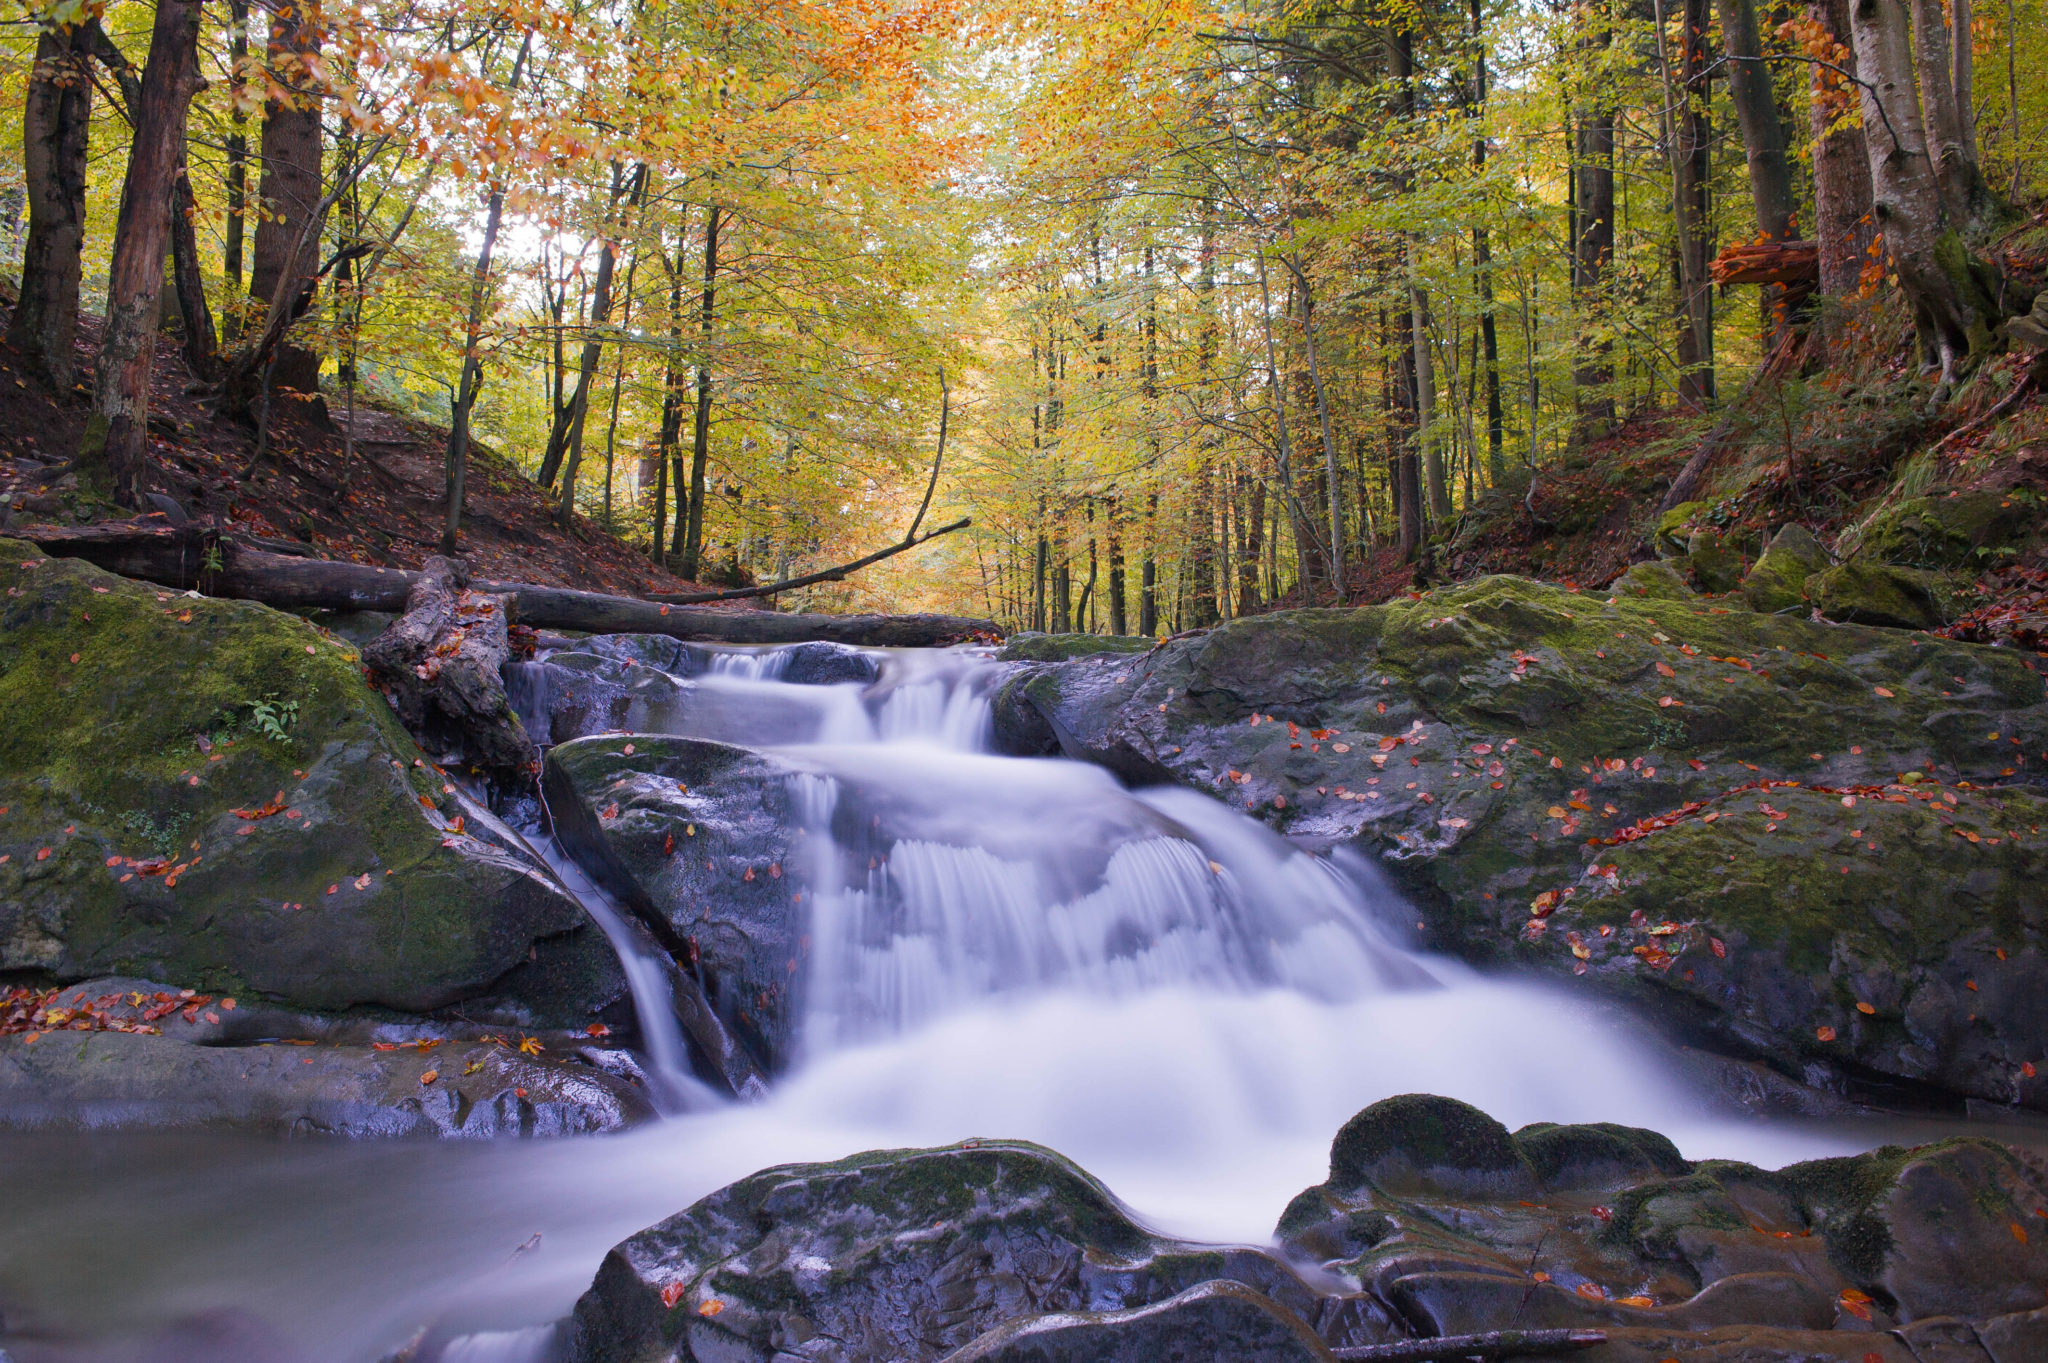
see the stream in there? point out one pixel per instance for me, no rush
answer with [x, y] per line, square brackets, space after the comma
[1150, 983]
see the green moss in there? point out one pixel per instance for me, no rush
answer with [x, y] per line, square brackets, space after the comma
[1438, 1142]
[1057, 648]
[1950, 530]
[1597, 1155]
[1657, 581]
[1861, 592]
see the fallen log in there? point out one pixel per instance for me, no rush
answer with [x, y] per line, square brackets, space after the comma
[196, 558]
[1767, 262]
[1493, 1344]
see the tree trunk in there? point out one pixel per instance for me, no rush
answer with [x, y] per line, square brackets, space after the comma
[593, 350]
[1763, 145]
[700, 436]
[1844, 223]
[1482, 265]
[1953, 147]
[202, 348]
[1198, 576]
[54, 126]
[1248, 561]
[1330, 463]
[668, 447]
[1951, 307]
[289, 190]
[1593, 253]
[176, 558]
[1407, 471]
[238, 168]
[1113, 524]
[113, 449]
[1692, 173]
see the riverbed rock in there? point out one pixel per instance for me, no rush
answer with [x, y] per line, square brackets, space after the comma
[697, 838]
[1213, 1320]
[907, 1256]
[1958, 529]
[1778, 581]
[1620, 1232]
[100, 1080]
[1814, 844]
[208, 791]
[1867, 592]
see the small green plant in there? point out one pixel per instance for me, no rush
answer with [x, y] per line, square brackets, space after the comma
[210, 560]
[271, 717]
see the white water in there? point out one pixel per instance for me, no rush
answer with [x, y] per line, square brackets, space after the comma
[1148, 982]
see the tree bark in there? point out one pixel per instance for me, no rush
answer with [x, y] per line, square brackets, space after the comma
[1330, 462]
[692, 533]
[1692, 169]
[290, 187]
[1952, 309]
[177, 558]
[113, 449]
[1593, 253]
[1763, 145]
[201, 345]
[1953, 147]
[55, 116]
[238, 169]
[1844, 220]
[593, 349]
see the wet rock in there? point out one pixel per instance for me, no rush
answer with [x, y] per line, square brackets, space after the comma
[570, 695]
[1032, 646]
[1429, 1143]
[1622, 1232]
[697, 837]
[1778, 581]
[440, 664]
[901, 1257]
[211, 794]
[2016, 1338]
[1746, 825]
[99, 1080]
[1862, 592]
[1209, 1321]
[819, 664]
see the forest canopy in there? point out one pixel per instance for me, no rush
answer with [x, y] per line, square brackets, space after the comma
[1187, 310]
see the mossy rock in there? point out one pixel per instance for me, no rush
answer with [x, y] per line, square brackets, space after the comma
[1654, 581]
[1864, 592]
[1598, 1155]
[1948, 530]
[1419, 1142]
[1716, 562]
[1499, 744]
[895, 1255]
[208, 792]
[1778, 581]
[1033, 647]
[1674, 529]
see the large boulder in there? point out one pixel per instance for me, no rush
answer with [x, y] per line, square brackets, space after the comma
[1868, 592]
[1778, 581]
[1213, 1320]
[1621, 1232]
[1816, 844]
[906, 1256]
[208, 792]
[1947, 530]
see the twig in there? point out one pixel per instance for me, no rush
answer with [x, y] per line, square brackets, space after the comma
[809, 579]
[1493, 1344]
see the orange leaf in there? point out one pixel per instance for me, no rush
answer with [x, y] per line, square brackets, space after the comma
[1825, 1033]
[711, 1307]
[1887, 695]
[672, 1294]
[430, 1076]
[1665, 670]
[2019, 1232]
[1866, 1009]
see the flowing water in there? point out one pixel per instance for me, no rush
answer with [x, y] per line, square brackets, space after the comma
[1146, 981]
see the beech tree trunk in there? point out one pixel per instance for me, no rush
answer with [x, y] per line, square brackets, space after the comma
[201, 345]
[1592, 254]
[1845, 223]
[55, 114]
[1693, 168]
[238, 169]
[289, 189]
[690, 527]
[1952, 309]
[1953, 147]
[1763, 145]
[114, 446]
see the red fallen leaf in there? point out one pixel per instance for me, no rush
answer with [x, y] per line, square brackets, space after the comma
[383, 1045]
[1390, 742]
[1666, 670]
[597, 1029]
[668, 845]
[1667, 702]
[1720, 947]
[1591, 1291]
[2027, 1068]
[2019, 1232]
[1856, 1303]
[1482, 748]
[1655, 956]
[672, 1293]
[1695, 764]
[1543, 904]
[43, 854]
[1824, 1033]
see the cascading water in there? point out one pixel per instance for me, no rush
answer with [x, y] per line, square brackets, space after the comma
[1152, 984]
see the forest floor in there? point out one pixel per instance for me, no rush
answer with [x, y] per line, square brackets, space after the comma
[377, 499]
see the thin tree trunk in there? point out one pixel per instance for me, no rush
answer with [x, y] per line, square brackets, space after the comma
[1330, 462]
[470, 384]
[55, 118]
[114, 446]
[1763, 144]
[593, 351]
[668, 448]
[1113, 525]
[202, 347]
[1285, 442]
[1686, 133]
[1199, 576]
[1954, 150]
[238, 169]
[700, 436]
[1482, 265]
[611, 429]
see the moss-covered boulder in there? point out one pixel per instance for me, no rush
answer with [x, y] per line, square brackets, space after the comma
[1674, 529]
[1778, 581]
[1034, 647]
[1422, 1141]
[1948, 530]
[1743, 823]
[1625, 1234]
[1866, 592]
[207, 792]
[893, 1257]
[1717, 562]
[1653, 581]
